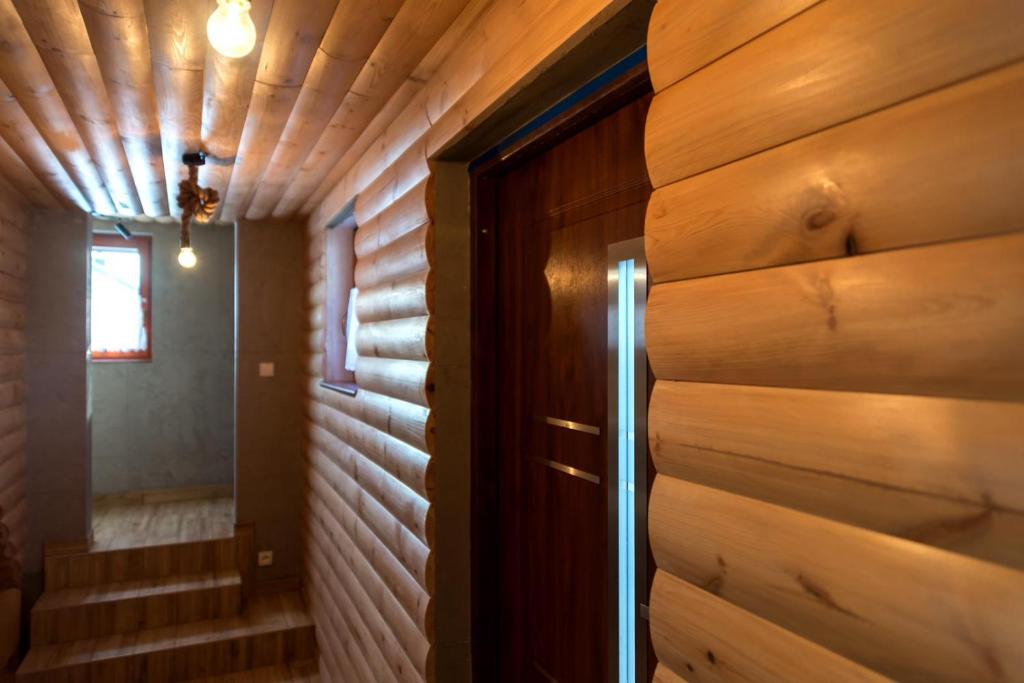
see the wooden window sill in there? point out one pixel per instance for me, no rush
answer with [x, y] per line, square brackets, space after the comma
[347, 388]
[125, 359]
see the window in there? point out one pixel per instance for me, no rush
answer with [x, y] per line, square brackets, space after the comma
[121, 315]
[340, 321]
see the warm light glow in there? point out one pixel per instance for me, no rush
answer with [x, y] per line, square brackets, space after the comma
[187, 258]
[230, 28]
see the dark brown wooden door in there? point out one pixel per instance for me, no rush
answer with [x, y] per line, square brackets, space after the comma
[556, 215]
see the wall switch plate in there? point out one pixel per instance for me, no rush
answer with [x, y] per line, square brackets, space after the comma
[265, 558]
[266, 369]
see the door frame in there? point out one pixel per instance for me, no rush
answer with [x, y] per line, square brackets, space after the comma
[620, 85]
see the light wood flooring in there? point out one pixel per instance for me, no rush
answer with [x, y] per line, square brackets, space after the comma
[133, 521]
[271, 629]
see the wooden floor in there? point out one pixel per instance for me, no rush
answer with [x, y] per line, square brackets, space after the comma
[272, 628]
[132, 521]
[165, 595]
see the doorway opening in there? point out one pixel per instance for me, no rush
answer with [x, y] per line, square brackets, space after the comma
[161, 384]
[559, 388]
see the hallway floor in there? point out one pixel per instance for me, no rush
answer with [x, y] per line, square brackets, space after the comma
[131, 521]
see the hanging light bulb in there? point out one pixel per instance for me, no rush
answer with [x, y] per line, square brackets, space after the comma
[230, 28]
[187, 257]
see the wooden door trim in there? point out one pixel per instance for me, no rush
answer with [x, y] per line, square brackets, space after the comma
[591, 105]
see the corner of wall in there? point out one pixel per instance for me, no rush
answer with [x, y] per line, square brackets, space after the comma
[57, 343]
[270, 266]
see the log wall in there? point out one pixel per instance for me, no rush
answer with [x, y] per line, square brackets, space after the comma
[369, 513]
[836, 243]
[14, 224]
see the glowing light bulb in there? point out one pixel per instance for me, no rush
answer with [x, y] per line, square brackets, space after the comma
[187, 258]
[230, 28]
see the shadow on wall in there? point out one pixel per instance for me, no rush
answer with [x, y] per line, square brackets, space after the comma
[169, 422]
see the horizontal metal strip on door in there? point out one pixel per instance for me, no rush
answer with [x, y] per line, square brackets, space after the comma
[572, 471]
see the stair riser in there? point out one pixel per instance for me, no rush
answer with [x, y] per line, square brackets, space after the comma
[190, 662]
[111, 566]
[66, 624]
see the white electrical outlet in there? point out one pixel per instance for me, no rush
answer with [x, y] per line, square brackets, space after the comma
[266, 369]
[265, 558]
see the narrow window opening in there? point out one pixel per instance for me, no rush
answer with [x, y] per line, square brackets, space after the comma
[626, 484]
[341, 297]
[121, 306]
[627, 459]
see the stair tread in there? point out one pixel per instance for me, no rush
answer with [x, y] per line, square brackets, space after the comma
[264, 614]
[305, 671]
[141, 588]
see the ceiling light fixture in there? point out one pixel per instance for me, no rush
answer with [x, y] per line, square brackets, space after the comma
[195, 202]
[230, 28]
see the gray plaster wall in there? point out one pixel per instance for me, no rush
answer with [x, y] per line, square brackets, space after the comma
[58, 340]
[271, 277]
[169, 422]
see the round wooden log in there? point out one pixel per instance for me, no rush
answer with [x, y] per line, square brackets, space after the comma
[663, 674]
[403, 258]
[12, 418]
[751, 106]
[24, 185]
[13, 235]
[23, 71]
[410, 38]
[120, 40]
[904, 476]
[12, 263]
[14, 442]
[407, 168]
[412, 511]
[178, 44]
[315, 317]
[375, 552]
[698, 635]
[12, 315]
[12, 367]
[355, 31]
[409, 465]
[337, 589]
[396, 106]
[404, 646]
[14, 499]
[59, 33]
[227, 92]
[404, 298]
[352, 636]
[315, 294]
[685, 36]
[407, 338]
[295, 31]
[408, 380]
[824, 196]
[941, 320]
[26, 143]
[405, 214]
[853, 591]
[409, 422]
[12, 288]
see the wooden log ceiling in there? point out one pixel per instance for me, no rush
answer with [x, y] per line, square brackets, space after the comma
[100, 98]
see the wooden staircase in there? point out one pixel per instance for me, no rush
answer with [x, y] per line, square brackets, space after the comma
[176, 612]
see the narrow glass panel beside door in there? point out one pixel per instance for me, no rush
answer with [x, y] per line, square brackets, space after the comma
[627, 376]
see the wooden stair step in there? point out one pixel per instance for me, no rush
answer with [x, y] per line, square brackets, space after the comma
[274, 629]
[69, 614]
[99, 567]
[306, 671]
